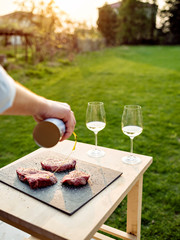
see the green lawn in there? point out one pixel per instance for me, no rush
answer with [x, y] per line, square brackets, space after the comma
[144, 75]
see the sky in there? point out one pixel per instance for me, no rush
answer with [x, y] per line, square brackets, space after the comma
[79, 10]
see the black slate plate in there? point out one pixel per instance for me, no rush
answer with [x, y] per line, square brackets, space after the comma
[68, 199]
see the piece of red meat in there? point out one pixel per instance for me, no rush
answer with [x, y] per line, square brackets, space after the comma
[76, 178]
[58, 165]
[36, 178]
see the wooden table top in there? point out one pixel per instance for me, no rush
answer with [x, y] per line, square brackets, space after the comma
[39, 219]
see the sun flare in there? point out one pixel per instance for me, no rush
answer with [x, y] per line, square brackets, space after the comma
[82, 10]
[78, 10]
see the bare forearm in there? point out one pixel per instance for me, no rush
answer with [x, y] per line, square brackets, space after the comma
[25, 102]
[28, 103]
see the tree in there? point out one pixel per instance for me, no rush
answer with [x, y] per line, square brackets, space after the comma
[45, 16]
[43, 20]
[107, 24]
[171, 21]
[136, 22]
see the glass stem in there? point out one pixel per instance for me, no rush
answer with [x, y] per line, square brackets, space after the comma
[131, 145]
[95, 140]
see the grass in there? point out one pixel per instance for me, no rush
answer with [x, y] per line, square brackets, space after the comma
[144, 75]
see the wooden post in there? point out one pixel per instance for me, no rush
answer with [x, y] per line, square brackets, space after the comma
[6, 40]
[15, 47]
[3, 59]
[26, 48]
[134, 203]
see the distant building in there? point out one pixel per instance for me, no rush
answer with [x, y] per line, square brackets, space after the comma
[20, 21]
[12, 22]
[115, 6]
[23, 20]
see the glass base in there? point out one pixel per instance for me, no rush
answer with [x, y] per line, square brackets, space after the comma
[131, 160]
[96, 153]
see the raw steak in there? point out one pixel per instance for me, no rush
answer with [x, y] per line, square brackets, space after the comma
[58, 165]
[36, 178]
[76, 178]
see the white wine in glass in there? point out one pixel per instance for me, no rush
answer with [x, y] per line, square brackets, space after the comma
[95, 121]
[132, 126]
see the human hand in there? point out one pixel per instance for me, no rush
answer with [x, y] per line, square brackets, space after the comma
[53, 109]
[24, 102]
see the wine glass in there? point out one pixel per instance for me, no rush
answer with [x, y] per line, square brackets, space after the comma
[95, 121]
[132, 126]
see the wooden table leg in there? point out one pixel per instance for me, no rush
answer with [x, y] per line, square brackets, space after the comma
[134, 203]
